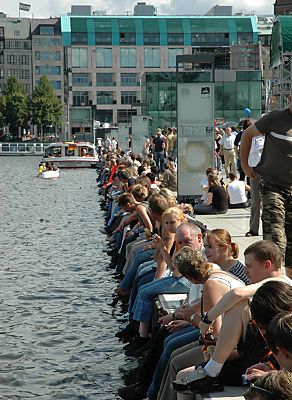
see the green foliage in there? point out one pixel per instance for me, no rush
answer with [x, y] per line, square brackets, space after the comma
[46, 107]
[14, 105]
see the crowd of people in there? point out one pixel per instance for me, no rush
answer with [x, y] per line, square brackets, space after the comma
[235, 325]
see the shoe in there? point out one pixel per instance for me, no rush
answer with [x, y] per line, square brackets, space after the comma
[130, 331]
[251, 233]
[198, 382]
[112, 252]
[137, 347]
[103, 230]
[133, 392]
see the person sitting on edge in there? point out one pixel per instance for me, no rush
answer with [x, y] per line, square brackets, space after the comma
[272, 386]
[269, 298]
[217, 202]
[236, 192]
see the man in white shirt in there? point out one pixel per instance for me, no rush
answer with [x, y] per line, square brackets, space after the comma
[236, 192]
[227, 149]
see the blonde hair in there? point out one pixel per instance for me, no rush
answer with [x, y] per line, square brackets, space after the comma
[221, 237]
[191, 264]
[174, 212]
[169, 195]
[213, 179]
[139, 192]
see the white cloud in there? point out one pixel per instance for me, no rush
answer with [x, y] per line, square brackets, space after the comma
[47, 8]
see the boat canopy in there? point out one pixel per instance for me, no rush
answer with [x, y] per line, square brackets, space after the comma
[281, 41]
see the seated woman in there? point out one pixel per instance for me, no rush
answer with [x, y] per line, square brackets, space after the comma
[237, 192]
[221, 250]
[217, 202]
[274, 385]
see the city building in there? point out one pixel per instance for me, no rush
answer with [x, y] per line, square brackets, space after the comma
[283, 7]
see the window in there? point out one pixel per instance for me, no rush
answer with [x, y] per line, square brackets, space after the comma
[1, 59]
[23, 59]
[128, 58]
[56, 84]
[152, 58]
[12, 72]
[128, 97]
[48, 70]
[16, 33]
[24, 73]
[125, 116]
[12, 59]
[47, 30]
[129, 80]
[104, 97]
[48, 55]
[1, 45]
[1, 73]
[80, 99]
[47, 41]
[127, 38]
[210, 39]
[79, 37]
[81, 80]
[172, 53]
[151, 38]
[1, 32]
[103, 38]
[175, 38]
[103, 57]
[79, 57]
[104, 79]
[244, 37]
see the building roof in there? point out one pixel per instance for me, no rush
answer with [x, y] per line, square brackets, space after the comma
[281, 39]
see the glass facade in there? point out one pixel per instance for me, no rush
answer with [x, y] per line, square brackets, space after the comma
[104, 58]
[128, 57]
[79, 38]
[210, 39]
[43, 41]
[231, 97]
[152, 58]
[79, 57]
[103, 38]
[128, 97]
[47, 30]
[80, 99]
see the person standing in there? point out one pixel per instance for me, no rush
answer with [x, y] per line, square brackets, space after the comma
[227, 148]
[159, 148]
[275, 169]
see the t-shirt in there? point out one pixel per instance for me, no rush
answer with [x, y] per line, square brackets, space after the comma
[276, 162]
[236, 191]
[227, 142]
[158, 142]
[219, 201]
[238, 270]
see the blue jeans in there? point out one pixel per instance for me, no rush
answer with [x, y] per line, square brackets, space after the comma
[145, 274]
[159, 159]
[202, 209]
[144, 300]
[140, 258]
[174, 341]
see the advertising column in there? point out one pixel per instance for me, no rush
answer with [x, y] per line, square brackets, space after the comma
[195, 118]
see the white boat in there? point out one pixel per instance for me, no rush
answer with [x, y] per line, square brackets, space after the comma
[22, 149]
[50, 174]
[71, 155]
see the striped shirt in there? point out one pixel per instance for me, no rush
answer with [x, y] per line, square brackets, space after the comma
[238, 270]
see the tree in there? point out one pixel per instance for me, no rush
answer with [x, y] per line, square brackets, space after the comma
[14, 110]
[46, 107]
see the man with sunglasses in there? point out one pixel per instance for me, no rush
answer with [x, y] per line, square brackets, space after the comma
[272, 386]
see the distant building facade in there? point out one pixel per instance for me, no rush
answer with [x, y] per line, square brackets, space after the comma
[283, 7]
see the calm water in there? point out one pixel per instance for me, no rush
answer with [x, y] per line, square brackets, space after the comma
[56, 324]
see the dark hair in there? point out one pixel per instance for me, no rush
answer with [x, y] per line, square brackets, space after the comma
[264, 250]
[155, 170]
[275, 385]
[210, 170]
[144, 181]
[270, 299]
[279, 332]
[232, 176]
[126, 198]
[140, 169]
[125, 175]
[139, 192]
[246, 123]
[151, 176]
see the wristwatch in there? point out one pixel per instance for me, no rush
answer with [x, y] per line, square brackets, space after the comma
[204, 318]
[192, 317]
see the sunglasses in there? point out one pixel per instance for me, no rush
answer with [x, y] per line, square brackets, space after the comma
[253, 386]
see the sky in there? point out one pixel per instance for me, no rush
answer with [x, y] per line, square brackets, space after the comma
[53, 8]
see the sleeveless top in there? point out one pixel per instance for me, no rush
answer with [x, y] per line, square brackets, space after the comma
[232, 284]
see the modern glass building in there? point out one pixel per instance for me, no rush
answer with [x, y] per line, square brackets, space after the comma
[106, 56]
[234, 91]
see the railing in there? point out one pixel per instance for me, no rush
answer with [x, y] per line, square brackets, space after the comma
[29, 149]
